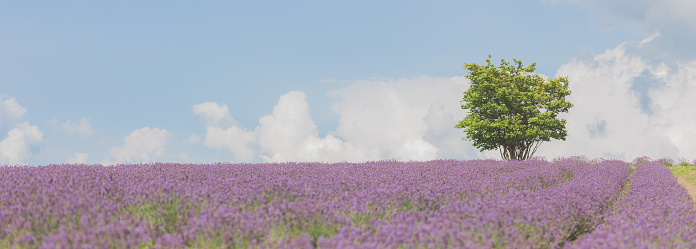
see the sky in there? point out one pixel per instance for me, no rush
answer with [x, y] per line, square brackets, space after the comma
[124, 82]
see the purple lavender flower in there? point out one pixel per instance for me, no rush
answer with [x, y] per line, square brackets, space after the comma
[535, 203]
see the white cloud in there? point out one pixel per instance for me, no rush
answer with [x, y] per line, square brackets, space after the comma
[84, 128]
[214, 114]
[11, 113]
[408, 118]
[608, 121]
[674, 105]
[404, 119]
[15, 148]
[142, 145]
[222, 132]
[636, 99]
[77, 158]
[12, 109]
[441, 133]
[289, 134]
[235, 139]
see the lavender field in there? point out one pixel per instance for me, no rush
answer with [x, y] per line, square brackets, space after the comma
[564, 203]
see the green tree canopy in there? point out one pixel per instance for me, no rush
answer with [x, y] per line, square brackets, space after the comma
[512, 109]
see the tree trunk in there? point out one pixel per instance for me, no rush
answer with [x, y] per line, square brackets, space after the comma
[520, 151]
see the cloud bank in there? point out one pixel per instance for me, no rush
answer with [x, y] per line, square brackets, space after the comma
[404, 119]
[613, 118]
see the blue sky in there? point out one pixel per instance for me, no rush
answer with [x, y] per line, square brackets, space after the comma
[233, 81]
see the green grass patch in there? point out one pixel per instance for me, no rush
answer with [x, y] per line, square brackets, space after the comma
[567, 174]
[161, 216]
[686, 172]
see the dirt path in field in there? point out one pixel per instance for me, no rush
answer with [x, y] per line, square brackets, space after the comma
[689, 186]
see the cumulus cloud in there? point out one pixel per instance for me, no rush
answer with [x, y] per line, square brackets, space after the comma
[77, 158]
[290, 134]
[223, 132]
[15, 148]
[235, 139]
[12, 109]
[214, 114]
[83, 128]
[636, 99]
[11, 113]
[407, 118]
[441, 133]
[614, 119]
[142, 145]
[404, 119]
[673, 106]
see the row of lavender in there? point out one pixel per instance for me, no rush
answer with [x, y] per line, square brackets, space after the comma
[385, 204]
[655, 213]
[545, 218]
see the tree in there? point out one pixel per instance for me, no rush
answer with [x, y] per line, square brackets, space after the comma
[512, 109]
